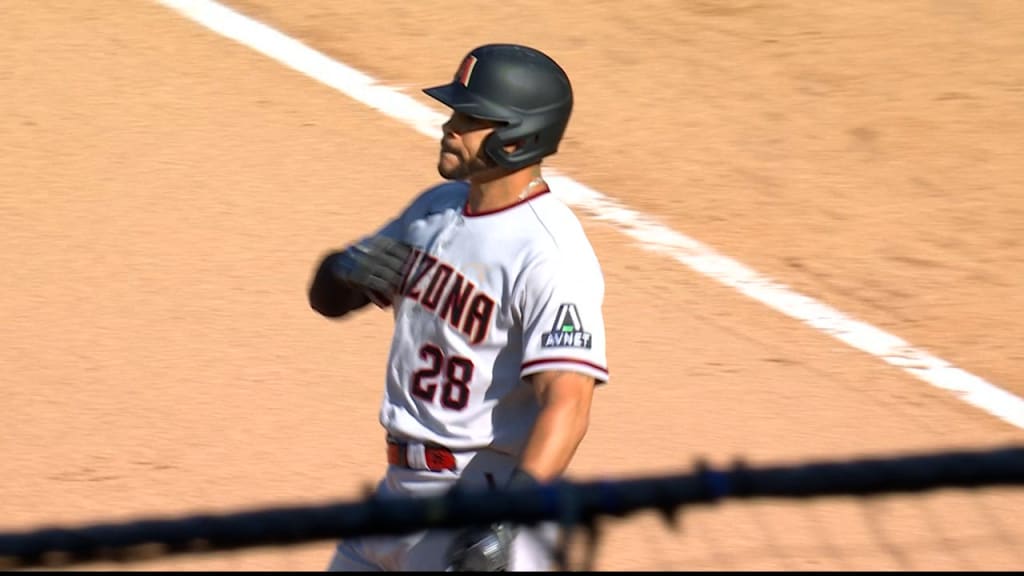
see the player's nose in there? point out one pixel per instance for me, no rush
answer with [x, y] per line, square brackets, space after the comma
[448, 142]
[446, 128]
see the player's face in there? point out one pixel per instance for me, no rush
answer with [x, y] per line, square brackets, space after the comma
[462, 154]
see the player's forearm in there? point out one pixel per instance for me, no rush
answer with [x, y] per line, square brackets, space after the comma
[557, 433]
[332, 297]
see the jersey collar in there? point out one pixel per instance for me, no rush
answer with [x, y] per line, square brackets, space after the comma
[468, 214]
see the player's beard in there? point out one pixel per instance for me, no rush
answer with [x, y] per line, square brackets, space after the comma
[452, 166]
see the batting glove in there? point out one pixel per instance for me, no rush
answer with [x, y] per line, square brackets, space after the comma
[488, 548]
[376, 264]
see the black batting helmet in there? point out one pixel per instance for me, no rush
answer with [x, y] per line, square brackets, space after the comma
[516, 85]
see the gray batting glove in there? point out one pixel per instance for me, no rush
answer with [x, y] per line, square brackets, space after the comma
[488, 548]
[376, 263]
[481, 549]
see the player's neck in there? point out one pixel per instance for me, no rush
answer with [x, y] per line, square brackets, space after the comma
[492, 195]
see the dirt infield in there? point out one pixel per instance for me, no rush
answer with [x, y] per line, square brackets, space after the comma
[165, 192]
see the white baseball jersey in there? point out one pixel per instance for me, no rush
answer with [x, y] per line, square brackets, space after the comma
[490, 298]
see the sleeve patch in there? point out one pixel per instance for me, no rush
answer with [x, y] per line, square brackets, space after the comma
[567, 331]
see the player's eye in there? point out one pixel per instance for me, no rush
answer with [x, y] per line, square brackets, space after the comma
[461, 122]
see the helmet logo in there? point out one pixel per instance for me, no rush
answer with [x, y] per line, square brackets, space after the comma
[466, 70]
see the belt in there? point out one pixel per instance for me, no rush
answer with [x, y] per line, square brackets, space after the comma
[435, 458]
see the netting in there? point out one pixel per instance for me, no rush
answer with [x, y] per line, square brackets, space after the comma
[956, 510]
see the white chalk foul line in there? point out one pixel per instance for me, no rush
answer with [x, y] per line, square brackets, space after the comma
[645, 231]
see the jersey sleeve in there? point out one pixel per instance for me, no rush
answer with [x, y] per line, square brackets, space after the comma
[432, 199]
[563, 322]
[394, 228]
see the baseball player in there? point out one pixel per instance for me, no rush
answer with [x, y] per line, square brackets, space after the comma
[497, 297]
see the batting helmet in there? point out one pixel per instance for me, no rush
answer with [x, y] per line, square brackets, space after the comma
[522, 88]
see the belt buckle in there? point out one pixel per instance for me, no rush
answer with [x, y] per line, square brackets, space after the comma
[436, 458]
[439, 458]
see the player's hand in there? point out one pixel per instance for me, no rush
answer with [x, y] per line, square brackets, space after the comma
[486, 549]
[376, 263]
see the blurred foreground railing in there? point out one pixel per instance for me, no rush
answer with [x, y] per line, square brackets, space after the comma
[571, 503]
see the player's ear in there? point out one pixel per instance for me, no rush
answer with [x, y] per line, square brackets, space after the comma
[510, 148]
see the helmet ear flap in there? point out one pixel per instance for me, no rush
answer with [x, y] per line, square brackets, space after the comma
[494, 148]
[534, 141]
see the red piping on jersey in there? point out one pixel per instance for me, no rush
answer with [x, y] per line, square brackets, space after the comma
[468, 214]
[531, 363]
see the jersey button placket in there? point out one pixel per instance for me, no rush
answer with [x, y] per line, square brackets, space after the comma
[447, 234]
